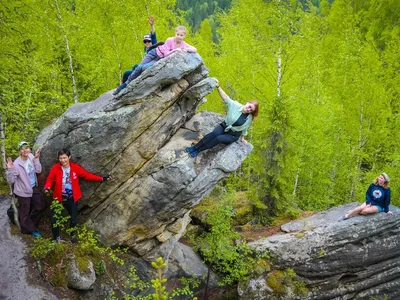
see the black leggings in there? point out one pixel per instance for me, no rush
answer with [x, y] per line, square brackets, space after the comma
[217, 136]
[72, 207]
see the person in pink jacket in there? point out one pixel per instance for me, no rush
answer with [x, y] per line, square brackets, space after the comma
[171, 45]
[22, 175]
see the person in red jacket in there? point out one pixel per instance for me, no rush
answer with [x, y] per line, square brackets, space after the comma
[64, 176]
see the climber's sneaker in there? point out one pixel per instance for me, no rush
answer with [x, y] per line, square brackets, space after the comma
[342, 218]
[117, 90]
[59, 240]
[194, 153]
[36, 234]
[190, 149]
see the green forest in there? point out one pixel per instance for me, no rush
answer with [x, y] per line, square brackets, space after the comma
[326, 74]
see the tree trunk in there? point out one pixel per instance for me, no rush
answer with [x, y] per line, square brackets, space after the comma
[4, 162]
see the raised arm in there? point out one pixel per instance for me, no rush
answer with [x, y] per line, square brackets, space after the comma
[12, 172]
[36, 162]
[223, 95]
[151, 22]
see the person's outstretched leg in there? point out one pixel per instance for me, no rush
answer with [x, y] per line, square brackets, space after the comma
[370, 210]
[25, 220]
[72, 208]
[357, 210]
[37, 206]
[126, 75]
[225, 138]
[217, 136]
[209, 137]
[149, 59]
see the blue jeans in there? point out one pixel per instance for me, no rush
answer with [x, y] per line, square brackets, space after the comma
[217, 136]
[150, 58]
[127, 73]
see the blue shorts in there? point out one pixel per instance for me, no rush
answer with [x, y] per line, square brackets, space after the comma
[380, 209]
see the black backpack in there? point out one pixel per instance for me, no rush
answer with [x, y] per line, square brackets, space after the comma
[155, 46]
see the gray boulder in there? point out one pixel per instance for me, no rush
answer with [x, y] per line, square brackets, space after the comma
[358, 258]
[184, 262]
[77, 279]
[139, 138]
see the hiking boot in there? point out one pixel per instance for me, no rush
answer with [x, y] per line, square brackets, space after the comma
[36, 234]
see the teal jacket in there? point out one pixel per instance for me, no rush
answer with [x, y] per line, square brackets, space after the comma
[233, 113]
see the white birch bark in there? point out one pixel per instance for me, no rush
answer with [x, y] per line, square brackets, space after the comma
[69, 54]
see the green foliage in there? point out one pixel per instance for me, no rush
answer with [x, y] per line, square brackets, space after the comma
[276, 281]
[385, 297]
[41, 248]
[188, 284]
[321, 253]
[134, 282]
[195, 11]
[58, 52]
[282, 281]
[59, 218]
[85, 250]
[100, 268]
[321, 71]
[158, 284]
[320, 143]
[221, 246]
[88, 244]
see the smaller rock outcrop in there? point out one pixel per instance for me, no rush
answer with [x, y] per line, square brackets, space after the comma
[321, 258]
[184, 262]
[80, 280]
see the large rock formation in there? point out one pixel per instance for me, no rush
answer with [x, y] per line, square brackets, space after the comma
[354, 259]
[139, 138]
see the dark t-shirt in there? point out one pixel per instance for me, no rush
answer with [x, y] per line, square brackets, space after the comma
[239, 122]
[242, 119]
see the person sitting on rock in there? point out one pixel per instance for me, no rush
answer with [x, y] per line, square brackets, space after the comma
[149, 40]
[377, 198]
[171, 45]
[22, 175]
[64, 175]
[235, 126]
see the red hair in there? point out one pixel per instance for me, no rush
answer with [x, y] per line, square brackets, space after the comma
[255, 111]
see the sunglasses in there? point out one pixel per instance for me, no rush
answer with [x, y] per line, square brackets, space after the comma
[146, 41]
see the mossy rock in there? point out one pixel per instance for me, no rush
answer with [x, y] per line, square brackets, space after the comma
[276, 281]
[59, 278]
[243, 208]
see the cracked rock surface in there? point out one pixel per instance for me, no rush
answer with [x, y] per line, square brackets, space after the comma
[139, 138]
